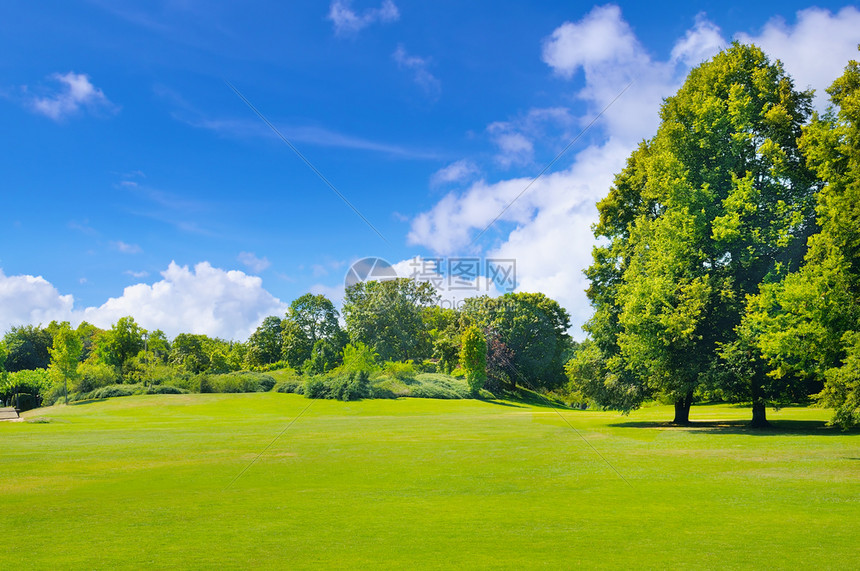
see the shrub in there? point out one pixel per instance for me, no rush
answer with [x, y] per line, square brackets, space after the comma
[359, 357]
[399, 369]
[354, 386]
[109, 391]
[289, 386]
[94, 376]
[205, 385]
[25, 401]
[165, 390]
[427, 366]
[33, 382]
[315, 388]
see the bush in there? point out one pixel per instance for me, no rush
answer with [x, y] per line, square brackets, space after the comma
[165, 390]
[289, 386]
[427, 366]
[237, 382]
[399, 369]
[346, 387]
[33, 382]
[94, 376]
[25, 401]
[354, 386]
[315, 388]
[109, 391]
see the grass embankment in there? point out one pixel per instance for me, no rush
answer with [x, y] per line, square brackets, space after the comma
[146, 481]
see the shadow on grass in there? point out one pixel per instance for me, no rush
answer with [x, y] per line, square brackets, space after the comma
[85, 401]
[524, 397]
[776, 428]
[502, 403]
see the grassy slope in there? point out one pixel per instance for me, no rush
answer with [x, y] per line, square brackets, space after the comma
[435, 484]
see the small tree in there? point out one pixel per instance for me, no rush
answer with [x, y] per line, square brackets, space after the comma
[473, 358]
[65, 355]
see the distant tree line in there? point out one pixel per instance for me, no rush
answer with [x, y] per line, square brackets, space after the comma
[523, 338]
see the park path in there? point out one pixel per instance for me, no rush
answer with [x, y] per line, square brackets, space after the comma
[8, 413]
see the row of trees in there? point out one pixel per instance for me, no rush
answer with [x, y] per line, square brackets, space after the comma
[729, 249]
[523, 338]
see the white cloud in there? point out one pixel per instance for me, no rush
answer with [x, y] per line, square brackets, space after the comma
[547, 230]
[601, 38]
[816, 49]
[126, 248]
[455, 172]
[252, 262]
[699, 43]
[418, 66]
[347, 21]
[28, 300]
[207, 300]
[138, 275]
[76, 92]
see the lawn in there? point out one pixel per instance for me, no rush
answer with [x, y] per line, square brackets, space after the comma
[151, 481]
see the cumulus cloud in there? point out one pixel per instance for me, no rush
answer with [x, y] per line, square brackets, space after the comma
[76, 93]
[252, 262]
[28, 300]
[547, 229]
[699, 43]
[347, 21]
[458, 171]
[815, 49]
[205, 299]
[418, 66]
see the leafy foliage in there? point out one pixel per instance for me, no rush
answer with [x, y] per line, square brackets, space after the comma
[473, 358]
[387, 316]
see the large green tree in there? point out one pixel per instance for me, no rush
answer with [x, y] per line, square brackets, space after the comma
[311, 329]
[387, 316]
[119, 345]
[65, 357]
[716, 202]
[265, 344]
[27, 348]
[533, 329]
[808, 325]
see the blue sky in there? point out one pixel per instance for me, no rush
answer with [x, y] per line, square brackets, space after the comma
[136, 181]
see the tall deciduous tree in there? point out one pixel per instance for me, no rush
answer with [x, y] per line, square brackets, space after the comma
[65, 356]
[311, 322]
[533, 329]
[27, 348]
[266, 343]
[808, 325]
[387, 316]
[717, 202]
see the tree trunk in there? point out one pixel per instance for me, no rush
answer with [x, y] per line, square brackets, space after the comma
[759, 419]
[682, 409]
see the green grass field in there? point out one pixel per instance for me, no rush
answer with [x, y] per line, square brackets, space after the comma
[146, 482]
